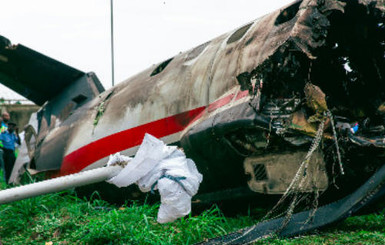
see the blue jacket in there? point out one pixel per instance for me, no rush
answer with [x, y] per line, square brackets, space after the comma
[9, 140]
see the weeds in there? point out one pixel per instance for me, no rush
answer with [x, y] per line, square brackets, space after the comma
[64, 218]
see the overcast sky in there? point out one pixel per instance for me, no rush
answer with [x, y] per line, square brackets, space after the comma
[77, 32]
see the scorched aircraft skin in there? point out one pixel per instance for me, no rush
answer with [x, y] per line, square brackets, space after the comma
[302, 86]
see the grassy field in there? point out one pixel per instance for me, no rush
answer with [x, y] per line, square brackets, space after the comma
[63, 218]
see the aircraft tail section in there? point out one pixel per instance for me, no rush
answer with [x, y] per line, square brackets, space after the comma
[38, 77]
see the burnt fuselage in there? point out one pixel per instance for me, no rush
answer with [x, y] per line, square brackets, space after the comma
[237, 101]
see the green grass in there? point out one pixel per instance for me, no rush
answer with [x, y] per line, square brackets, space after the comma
[63, 218]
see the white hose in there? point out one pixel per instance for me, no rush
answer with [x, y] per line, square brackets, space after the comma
[59, 184]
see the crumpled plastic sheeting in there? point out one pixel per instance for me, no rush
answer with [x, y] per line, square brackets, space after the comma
[157, 166]
[117, 159]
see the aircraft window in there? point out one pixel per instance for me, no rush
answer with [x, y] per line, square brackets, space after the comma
[287, 14]
[196, 51]
[161, 67]
[238, 34]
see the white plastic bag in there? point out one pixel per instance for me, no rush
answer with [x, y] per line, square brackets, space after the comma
[150, 152]
[157, 166]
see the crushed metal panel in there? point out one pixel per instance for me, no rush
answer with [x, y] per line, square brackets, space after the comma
[273, 173]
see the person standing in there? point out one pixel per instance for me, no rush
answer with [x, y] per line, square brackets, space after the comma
[4, 121]
[3, 127]
[9, 138]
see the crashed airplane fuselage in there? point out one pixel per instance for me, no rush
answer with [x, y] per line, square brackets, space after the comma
[298, 93]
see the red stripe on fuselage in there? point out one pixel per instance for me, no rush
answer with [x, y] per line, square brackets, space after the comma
[219, 103]
[88, 154]
[84, 156]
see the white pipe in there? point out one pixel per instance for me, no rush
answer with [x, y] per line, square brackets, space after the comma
[59, 184]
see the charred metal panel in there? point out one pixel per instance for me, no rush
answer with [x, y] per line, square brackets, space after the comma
[196, 81]
[273, 173]
[53, 133]
[205, 142]
[50, 152]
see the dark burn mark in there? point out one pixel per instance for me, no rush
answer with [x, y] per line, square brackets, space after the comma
[49, 155]
[249, 41]
[183, 119]
[66, 112]
[244, 79]
[354, 61]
